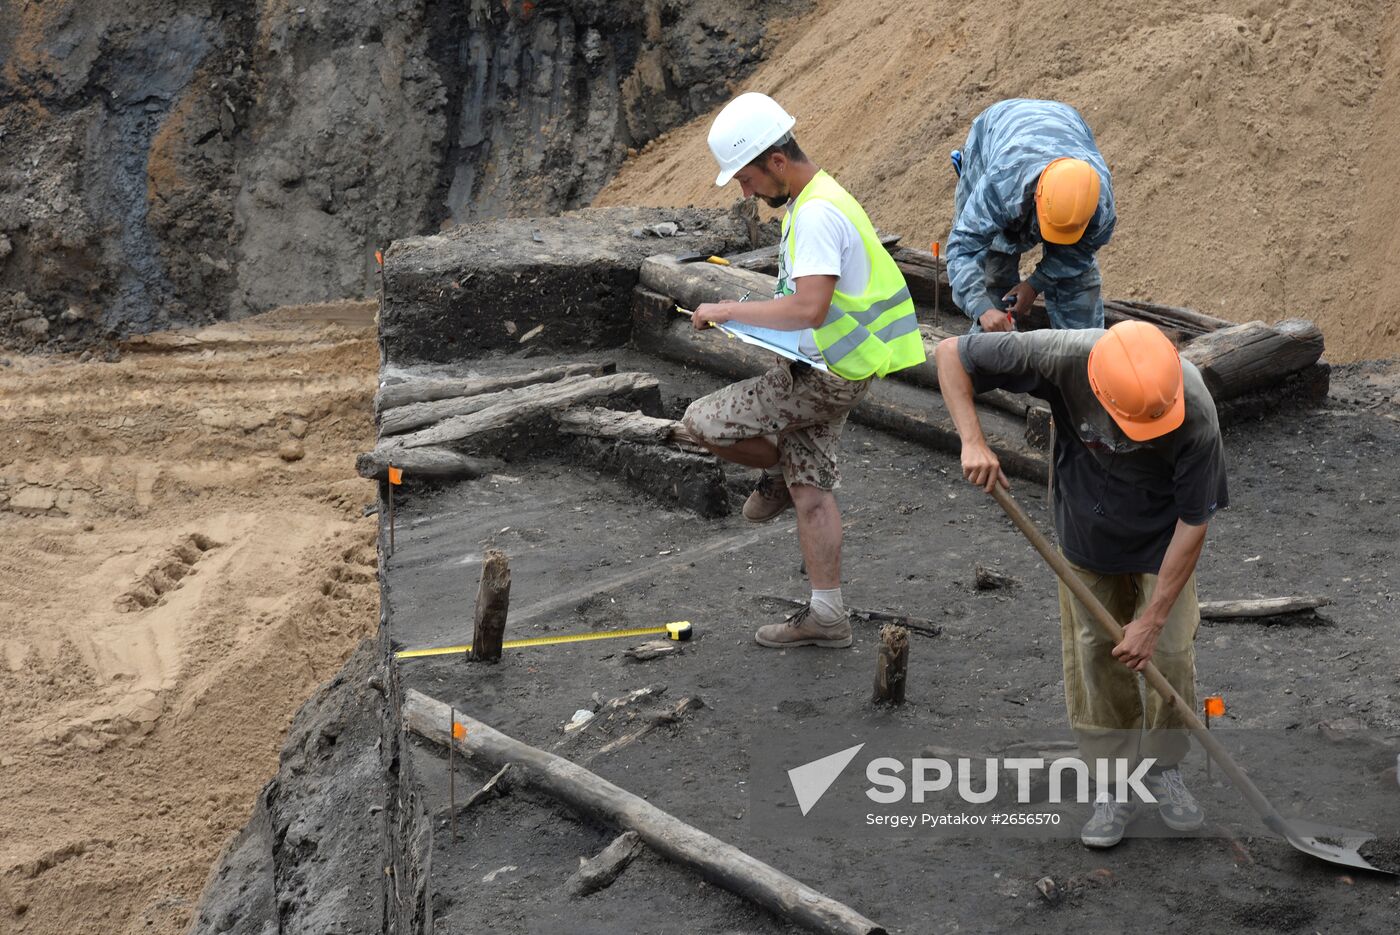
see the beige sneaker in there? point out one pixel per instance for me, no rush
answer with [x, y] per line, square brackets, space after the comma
[805, 629]
[768, 500]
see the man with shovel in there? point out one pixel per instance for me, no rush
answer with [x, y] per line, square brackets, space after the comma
[1139, 472]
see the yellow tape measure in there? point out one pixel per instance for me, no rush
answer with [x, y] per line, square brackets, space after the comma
[679, 630]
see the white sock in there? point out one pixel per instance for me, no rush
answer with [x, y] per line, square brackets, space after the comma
[828, 604]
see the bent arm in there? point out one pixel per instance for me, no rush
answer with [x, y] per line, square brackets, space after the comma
[807, 307]
[979, 463]
[1183, 552]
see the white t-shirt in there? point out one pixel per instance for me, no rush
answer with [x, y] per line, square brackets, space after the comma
[826, 244]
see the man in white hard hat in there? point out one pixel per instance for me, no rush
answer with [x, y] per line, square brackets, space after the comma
[838, 287]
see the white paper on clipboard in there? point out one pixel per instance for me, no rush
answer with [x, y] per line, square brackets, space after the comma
[787, 344]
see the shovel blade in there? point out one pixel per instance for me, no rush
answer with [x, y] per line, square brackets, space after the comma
[1327, 842]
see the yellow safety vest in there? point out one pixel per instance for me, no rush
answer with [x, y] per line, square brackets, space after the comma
[874, 333]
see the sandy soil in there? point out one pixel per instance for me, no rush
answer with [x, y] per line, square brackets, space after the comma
[1250, 143]
[173, 588]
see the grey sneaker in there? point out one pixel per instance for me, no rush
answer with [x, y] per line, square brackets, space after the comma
[804, 628]
[1177, 806]
[1109, 821]
[768, 500]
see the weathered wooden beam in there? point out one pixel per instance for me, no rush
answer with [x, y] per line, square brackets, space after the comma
[436, 463]
[424, 390]
[1253, 355]
[531, 401]
[1261, 607]
[927, 275]
[765, 259]
[594, 797]
[629, 426]
[692, 284]
[492, 606]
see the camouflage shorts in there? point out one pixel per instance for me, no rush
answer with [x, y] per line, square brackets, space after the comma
[803, 408]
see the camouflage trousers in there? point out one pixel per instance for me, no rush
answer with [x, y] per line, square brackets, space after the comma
[801, 408]
[1112, 713]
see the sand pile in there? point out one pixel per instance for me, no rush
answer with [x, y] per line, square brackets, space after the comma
[1250, 142]
[183, 558]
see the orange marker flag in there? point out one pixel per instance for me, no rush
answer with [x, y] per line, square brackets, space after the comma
[935, 249]
[395, 475]
[379, 257]
[458, 731]
[1215, 706]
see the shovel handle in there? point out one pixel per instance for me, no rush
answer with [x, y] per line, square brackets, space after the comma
[1154, 677]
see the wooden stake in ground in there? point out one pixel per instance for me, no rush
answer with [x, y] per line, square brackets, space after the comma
[594, 797]
[492, 602]
[891, 665]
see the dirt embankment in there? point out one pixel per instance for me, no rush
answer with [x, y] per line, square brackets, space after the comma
[184, 560]
[1249, 142]
[165, 163]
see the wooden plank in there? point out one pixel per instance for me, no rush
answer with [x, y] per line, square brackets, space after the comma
[411, 416]
[629, 426]
[590, 795]
[1261, 607]
[530, 401]
[393, 395]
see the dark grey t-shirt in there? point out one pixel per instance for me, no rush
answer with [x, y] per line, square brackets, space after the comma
[1116, 500]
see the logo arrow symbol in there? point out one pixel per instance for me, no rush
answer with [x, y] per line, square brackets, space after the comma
[811, 780]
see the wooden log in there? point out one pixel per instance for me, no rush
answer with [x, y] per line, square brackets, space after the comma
[1262, 607]
[927, 275]
[436, 463]
[1253, 355]
[628, 426]
[531, 401]
[765, 259]
[891, 665]
[411, 416]
[600, 872]
[492, 604]
[692, 284]
[914, 413]
[594, 797]
[393, 395]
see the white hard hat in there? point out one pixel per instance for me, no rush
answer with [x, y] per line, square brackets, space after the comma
[746, 126]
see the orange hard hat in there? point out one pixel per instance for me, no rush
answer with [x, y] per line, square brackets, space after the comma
[1135, 372]
[1066, 198]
